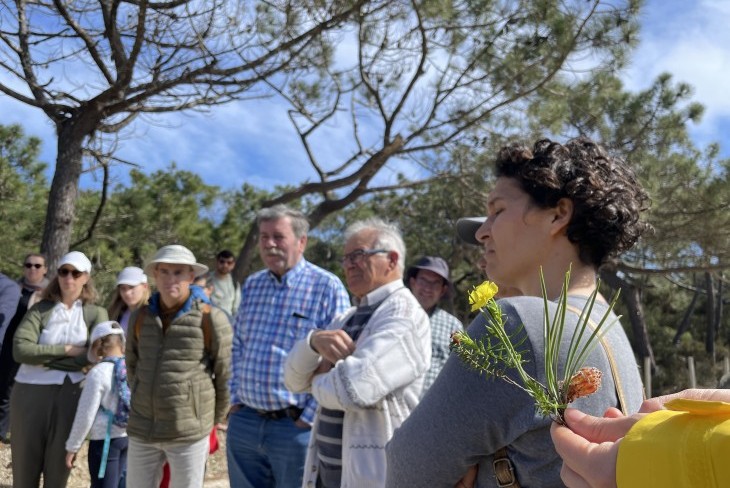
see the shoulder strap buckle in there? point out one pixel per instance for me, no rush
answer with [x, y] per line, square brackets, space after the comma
[504, 471]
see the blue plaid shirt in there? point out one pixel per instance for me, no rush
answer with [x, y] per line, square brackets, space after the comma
[272, 317]
[443, 324]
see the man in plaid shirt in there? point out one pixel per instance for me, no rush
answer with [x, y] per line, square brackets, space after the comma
[429, 282]
[269, 427]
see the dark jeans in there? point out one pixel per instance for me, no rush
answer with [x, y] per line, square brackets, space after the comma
[116, 463]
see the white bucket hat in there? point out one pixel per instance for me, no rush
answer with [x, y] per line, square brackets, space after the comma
[131, 276]
[76, 259]
[103, 329]
[175, 254]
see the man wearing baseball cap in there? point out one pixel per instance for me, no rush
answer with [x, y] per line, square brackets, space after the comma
[178, 360]
[429, 282]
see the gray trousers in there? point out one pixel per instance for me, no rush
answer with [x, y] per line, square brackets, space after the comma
[42, 416]
[187, 463]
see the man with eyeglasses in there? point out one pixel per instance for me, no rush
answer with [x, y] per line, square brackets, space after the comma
[367, 369]
[226, 292]
[20, 297]
[269, 426]
[429, 281]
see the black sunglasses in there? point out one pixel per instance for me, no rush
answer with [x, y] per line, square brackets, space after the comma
[33, 265]
[74, 272]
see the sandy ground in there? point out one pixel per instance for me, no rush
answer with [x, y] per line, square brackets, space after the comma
[216, 475]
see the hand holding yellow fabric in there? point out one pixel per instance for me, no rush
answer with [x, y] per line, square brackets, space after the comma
[685, 445]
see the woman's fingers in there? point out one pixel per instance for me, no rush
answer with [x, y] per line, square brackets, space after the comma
[585, 463]
[597, 429]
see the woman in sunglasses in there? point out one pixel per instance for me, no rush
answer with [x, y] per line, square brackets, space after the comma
[50, 345]
[31, 285]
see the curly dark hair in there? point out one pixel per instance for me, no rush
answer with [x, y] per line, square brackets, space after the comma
[607, 197]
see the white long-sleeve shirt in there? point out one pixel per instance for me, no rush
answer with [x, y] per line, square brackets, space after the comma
[90, 419]
[65, 326]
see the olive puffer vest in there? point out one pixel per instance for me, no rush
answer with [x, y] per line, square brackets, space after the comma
[179, 389]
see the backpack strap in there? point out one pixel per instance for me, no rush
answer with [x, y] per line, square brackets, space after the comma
[620, 392]
[138, 322]
[91, 315]
[504, 470]
[206, 324]
[107, 441]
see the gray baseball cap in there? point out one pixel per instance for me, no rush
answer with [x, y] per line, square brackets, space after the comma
[466, 228]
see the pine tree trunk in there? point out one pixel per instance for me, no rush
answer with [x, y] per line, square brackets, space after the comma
[710, 335]
[246, 255]
[61, 210]
[632, 299]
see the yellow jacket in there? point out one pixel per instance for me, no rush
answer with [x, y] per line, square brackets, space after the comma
[686, 445]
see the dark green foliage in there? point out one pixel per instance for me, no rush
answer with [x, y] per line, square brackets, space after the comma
[23, 197]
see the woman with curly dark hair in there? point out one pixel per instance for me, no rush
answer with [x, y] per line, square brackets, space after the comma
[553, 207]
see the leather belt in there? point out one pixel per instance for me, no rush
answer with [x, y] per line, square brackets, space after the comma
[285, 413]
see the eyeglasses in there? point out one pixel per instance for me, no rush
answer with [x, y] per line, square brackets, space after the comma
[356, 257]
[428, 283]
[33, 265]
[73, 272]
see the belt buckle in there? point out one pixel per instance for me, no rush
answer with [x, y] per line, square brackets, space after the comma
[504, 466]
[273, 415]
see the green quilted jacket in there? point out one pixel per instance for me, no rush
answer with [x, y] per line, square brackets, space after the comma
[179, 389]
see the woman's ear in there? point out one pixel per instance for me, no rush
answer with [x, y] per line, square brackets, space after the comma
[563, 213]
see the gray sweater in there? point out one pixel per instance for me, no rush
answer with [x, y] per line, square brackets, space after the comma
[464, 418]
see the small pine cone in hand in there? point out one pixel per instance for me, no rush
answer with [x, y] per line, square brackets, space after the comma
[583, 383]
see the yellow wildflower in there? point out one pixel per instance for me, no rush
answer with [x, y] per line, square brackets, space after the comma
[481, 294]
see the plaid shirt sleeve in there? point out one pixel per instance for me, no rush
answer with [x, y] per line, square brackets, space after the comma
[443, 324]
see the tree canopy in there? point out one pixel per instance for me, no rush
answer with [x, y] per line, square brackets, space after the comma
[93, 67]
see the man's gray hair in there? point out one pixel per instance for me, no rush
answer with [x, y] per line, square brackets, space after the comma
[299, 222]
[388, 237]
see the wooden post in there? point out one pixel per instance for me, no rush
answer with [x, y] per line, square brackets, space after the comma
[726, 366]
[692, 376]
[647, 376]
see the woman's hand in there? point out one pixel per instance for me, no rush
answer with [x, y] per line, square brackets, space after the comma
[708, 395]
[589, 447]
[74, 351]
[470, 478]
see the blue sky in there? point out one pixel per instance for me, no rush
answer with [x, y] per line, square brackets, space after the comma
[253, 141]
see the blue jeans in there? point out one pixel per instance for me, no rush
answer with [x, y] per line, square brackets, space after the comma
[116, 463]
[265, 453]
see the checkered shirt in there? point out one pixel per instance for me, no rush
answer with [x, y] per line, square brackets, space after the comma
[272, 317]
[442, 326]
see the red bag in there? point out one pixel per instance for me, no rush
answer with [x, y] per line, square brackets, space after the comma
[214, 446]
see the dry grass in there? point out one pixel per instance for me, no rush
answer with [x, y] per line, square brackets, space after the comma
[216, 475]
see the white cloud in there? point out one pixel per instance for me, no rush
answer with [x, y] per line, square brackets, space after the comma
[688, 40]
